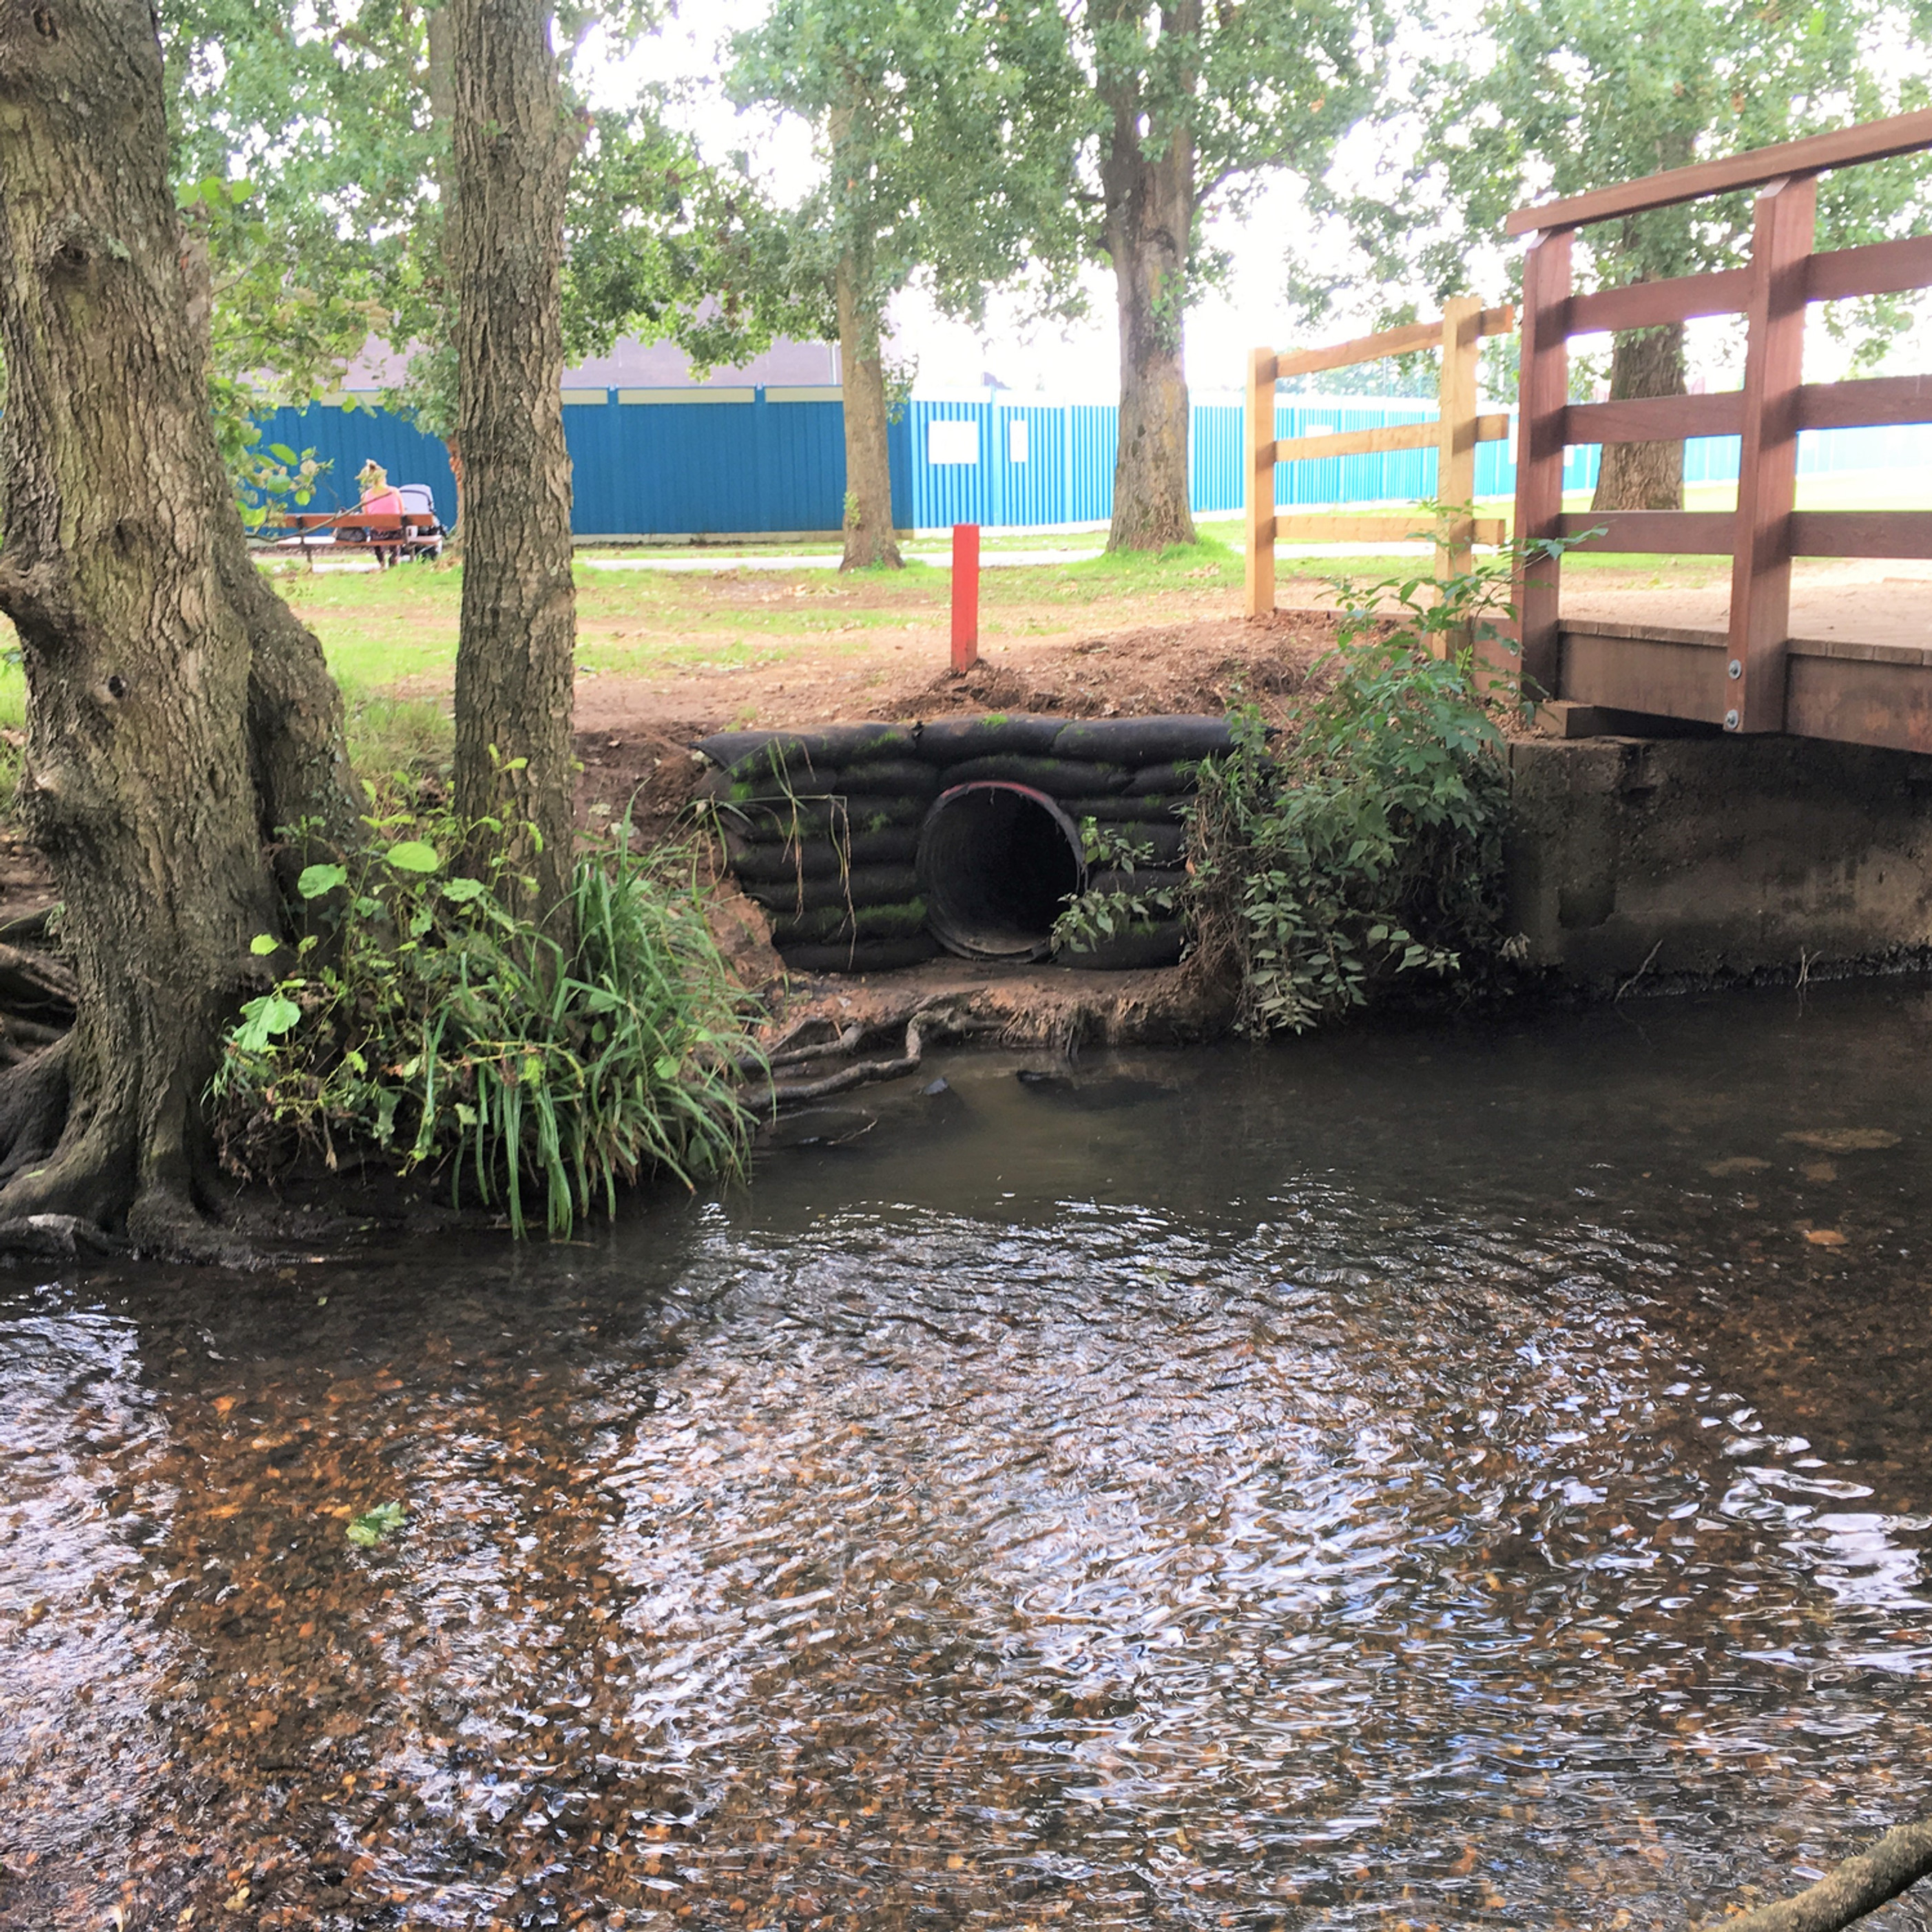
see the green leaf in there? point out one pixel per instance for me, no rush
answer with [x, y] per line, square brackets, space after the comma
[369, 1528]
[262, 944]
[317, 880]
[265, 1019]
[461, 891]
[412, 855]
[282, 453]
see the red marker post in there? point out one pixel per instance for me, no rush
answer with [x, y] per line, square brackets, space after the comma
[965, 595]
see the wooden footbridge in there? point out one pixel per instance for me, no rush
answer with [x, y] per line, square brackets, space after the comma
[1754, 676]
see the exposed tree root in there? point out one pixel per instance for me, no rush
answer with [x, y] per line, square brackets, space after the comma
[83, 1178]
[37, 986]
[57, 1237]
[1860, 1885]
[33, 1109]
[932, 1018]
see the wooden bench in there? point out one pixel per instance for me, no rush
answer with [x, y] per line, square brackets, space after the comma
[389, 533]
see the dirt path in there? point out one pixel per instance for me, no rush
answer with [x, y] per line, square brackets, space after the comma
[1879, 601]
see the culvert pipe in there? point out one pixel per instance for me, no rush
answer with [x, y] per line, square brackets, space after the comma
[996, 863]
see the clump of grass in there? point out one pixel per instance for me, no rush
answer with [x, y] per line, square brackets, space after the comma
[389, 732]
[428, 1021]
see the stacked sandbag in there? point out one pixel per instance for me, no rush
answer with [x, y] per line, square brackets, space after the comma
[822, 827]
[822, 830]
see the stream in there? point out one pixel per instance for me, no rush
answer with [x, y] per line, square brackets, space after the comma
[1476, 1475]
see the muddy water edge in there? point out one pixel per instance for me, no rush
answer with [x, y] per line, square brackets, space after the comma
[1479, 1475]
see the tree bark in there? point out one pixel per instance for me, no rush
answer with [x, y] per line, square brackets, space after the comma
[1896, 1863]
[1643, 475]
[452, 538]
[1150, 208]
[514, 144]
[136, 782]
[870, 538]
[297, 758]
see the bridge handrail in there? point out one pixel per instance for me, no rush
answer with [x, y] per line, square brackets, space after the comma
[1772, 291]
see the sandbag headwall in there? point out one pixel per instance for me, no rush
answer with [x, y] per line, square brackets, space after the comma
[822, 827]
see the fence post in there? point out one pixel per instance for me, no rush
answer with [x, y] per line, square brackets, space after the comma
[1260, 491]
[965, 595]
[1543, 395]
[1760, 622]
[1456, 458]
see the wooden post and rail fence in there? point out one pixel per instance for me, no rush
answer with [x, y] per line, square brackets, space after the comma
[1453, 435]
[1754, 676]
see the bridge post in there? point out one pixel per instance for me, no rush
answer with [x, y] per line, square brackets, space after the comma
[1760, 620]
[1543, 394]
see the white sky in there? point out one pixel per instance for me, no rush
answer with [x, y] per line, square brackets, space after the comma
[1082, 362]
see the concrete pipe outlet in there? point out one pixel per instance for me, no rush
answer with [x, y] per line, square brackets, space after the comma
[997, 862]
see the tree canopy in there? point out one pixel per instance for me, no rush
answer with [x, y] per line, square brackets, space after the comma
[1180, 110]
[1537, 98]
[941, 125]
[311, 141]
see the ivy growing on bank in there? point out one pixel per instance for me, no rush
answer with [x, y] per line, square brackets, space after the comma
[427, 1020]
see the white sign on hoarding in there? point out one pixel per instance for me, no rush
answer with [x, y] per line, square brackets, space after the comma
[952, 443]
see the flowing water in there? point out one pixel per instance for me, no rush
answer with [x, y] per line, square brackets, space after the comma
[1480, 1475]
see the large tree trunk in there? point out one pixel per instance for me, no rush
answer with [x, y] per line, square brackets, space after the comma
[1643, 475]
[137, 783]
[1149, 225]
[514, 145]
[297, 761]
[870, 538]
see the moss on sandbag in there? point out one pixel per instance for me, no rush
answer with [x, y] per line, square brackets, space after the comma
[1161, 781]
[850, 815]
[1144, 741]
[747, 754]
[1058, 778]
[1145, 944]
[1123, 808]
[877, 956]
[948, 741]
[840, 922]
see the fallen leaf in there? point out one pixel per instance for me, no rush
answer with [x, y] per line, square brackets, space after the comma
[1825, 1237]
[1738, 1163]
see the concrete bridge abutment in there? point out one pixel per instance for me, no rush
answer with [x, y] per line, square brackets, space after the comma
[1717, 857]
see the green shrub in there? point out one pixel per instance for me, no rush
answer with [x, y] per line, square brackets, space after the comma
[430, 1022]
[1367, 845]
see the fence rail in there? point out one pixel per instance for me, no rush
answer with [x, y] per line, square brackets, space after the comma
[1749, 685]
[1454, 435]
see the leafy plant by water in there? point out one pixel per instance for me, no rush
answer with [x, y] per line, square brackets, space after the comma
[428, 1021]
[1129, 907]
[1367, 847]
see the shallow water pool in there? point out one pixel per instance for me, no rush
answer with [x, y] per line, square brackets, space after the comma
[1469, 1475]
